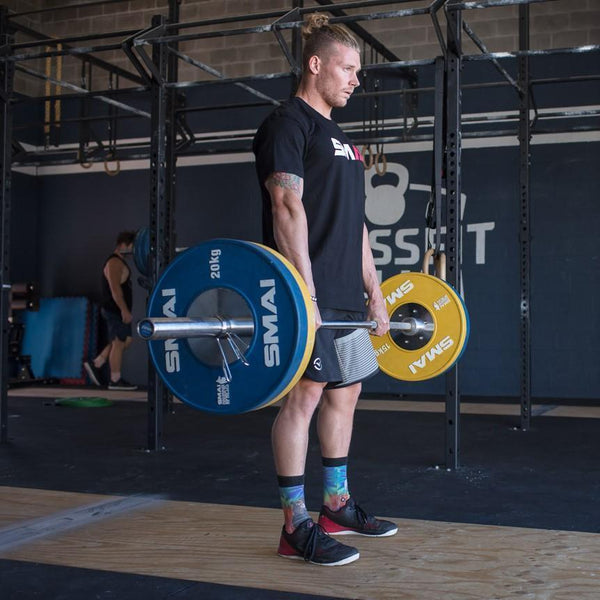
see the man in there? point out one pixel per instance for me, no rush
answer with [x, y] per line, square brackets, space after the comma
[116, 311]
[312, 183]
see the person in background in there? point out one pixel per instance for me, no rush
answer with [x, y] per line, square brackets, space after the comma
[115, 309]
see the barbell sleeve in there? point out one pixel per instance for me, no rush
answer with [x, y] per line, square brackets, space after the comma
[163, 328]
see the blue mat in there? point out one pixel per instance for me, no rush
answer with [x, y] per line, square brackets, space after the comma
[55, 337]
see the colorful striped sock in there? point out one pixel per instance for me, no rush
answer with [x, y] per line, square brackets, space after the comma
[291, 493]
[335, 482]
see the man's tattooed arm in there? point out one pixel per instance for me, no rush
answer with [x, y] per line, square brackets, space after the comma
[286, 181]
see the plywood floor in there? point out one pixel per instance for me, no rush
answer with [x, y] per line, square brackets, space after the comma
[194, 540]
[235, 545]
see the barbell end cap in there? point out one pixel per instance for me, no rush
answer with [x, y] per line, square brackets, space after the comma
[145, 329]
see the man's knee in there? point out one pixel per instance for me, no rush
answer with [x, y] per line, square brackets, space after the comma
[343, 398]
[118, 344]
[304, 396]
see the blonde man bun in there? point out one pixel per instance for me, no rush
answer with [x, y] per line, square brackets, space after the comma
[319, 35]
[314, 22]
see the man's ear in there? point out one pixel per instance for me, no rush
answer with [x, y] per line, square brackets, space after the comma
[314, 64]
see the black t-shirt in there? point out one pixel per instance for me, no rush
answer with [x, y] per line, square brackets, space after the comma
[297, 139]
[107, 301]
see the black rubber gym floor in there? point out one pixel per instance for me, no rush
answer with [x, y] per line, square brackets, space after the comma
[547, 477]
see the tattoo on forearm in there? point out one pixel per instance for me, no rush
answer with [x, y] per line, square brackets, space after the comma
[288, 181]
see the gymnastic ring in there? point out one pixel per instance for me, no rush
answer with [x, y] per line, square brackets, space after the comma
[366, 151]
[115, 171]
[380, 160]
[84, 165]
[439, 262]
[426, 258]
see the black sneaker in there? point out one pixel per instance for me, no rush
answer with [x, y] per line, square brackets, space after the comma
[352, 519]
[311, 543]
[92, 372]
[122, 385]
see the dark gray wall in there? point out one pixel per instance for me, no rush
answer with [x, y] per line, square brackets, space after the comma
[80, 214]
[24, 254]
[64, 226]
[80, 217]
[565, 268]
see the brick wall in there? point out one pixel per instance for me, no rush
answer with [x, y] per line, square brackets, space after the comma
[554, 24]
[27, 85]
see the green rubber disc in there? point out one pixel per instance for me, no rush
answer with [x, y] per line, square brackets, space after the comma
[91, 402]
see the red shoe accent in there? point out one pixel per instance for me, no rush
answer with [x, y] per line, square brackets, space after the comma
[285, 549]
[330, 527]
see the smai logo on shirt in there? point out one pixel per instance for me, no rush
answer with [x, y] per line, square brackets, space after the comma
[350, 152]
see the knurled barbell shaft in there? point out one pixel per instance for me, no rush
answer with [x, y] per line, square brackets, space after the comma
[163, 328]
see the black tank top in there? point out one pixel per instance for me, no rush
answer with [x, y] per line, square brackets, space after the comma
[107, 300]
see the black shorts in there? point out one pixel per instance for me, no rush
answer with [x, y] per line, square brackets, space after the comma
[115, 326]
[341, 357]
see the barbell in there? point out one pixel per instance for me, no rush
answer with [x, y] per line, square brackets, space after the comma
[183, 327]
[230, 326]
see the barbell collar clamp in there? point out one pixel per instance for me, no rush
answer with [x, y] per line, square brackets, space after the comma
[163, 328]
[224, 364]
